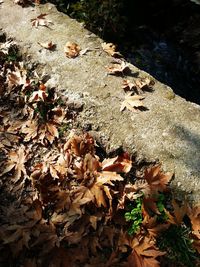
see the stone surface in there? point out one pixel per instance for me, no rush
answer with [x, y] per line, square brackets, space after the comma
[169, 131]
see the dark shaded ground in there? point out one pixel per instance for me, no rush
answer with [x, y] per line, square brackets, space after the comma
[160, 37]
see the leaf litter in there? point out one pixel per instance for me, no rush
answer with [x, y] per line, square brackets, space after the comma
[61, 205]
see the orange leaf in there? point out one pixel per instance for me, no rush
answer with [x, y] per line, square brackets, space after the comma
[72, 50]
[120, 163]
[156, 179]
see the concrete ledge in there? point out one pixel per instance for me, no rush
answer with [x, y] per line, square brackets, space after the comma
[169, 131]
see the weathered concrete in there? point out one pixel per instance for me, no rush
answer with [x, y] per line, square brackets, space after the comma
[169, 131]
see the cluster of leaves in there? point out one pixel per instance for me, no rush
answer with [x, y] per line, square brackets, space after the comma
[62, 204]
[135, 88]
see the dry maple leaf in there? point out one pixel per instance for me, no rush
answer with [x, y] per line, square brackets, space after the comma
[152, 227]
[30, 129]
[143, 83]
[110, 48]
[128, 85]
[178, 212]
[144, 253]
[47, 45]
[17, 77]
[48, 131]
[56, 165]
[45, 131]
[134, 191]
[194, 215]
[41, 21]
[132, 102]
[120, 163]
[118, 67]
[79, 145]
[39, 95]
[99, 191]
[72, 49]
[16, 160]
[156, 179]
[149, 206]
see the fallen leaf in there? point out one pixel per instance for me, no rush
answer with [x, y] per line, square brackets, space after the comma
[118, 67]
[47, 45]
[194, 215]
[144, 253]
[110, 48]
[41, 21]
[143, 83]
[128, 85]
[156, 179]
[72, 50]
[179, 211]
[120, 163]
[30, 129]
[17, 77]
[132, 102]
[15, 161]
[38, 96]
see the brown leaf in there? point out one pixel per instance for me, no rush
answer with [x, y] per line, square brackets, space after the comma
[143, 83]
[156, 179]
[128, 85]
[194, 215]
[153, 228]
[72, 50]
[118, 67]
[144, 253]
[132, 102]
[30, 129]
[149, 206]
[17, 77]
[47, 45]
[120, 163]
[178, 212]
[41, 21]
[39, 95]
[110, 48]
[16, 160]
[80, 145]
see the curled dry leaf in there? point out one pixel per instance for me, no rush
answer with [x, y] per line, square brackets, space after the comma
[17, 77]
[144, 253]
[132, 102]
[41, 21]
[156, 179]
[128, 85]
[45, 131]
[72, 49]
[47, 45]
[138, 85]
[143, 83]
[194, 215]
[16, 160]
[39, 95]
[118, 67]
[120, 163]
[110, 48]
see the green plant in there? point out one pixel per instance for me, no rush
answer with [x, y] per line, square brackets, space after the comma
[13, 54]
[63, 129]
[161, 207]
[135, 217]
[177, 243]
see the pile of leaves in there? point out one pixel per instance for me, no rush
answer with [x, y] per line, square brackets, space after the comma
[64, 205]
